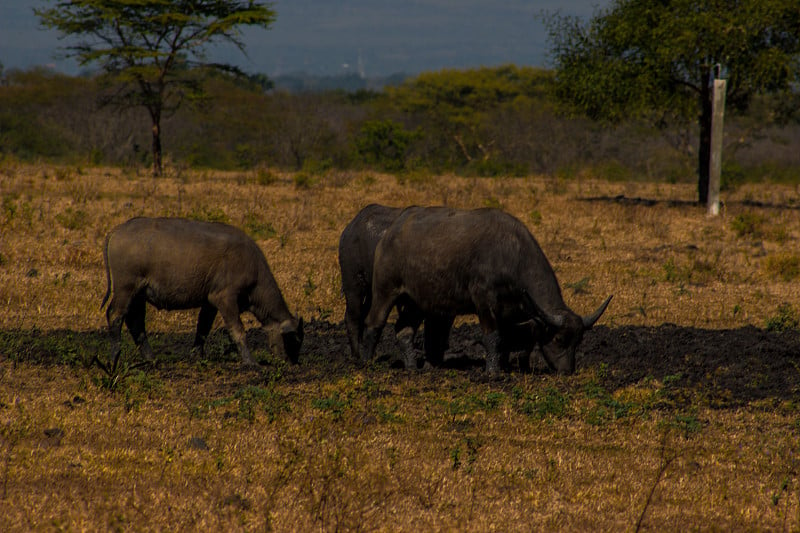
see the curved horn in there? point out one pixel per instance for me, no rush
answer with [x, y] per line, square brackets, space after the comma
[588, 321]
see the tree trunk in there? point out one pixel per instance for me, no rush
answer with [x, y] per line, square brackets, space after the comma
[704, 151]
[156, 117]
[156, 150]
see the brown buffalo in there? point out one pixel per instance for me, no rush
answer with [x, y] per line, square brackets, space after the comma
[453, 262]
[175, 263]
[356, 254]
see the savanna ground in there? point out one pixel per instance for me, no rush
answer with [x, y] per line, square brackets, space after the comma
[683, 413]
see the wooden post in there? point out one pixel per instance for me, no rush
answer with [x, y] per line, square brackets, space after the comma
[715, 166]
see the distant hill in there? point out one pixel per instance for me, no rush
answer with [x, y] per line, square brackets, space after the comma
[303, 82]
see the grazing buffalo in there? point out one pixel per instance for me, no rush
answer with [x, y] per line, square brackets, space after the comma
[175, 263]
[356, 254]
[485, 262]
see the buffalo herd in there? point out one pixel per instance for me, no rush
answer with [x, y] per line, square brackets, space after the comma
[430, 263]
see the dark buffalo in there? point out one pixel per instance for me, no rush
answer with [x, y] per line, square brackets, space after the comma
[485, 262]
[356, 254]
[175, 263]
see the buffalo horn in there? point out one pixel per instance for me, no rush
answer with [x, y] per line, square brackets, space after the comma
[550, 319]
[588, 321]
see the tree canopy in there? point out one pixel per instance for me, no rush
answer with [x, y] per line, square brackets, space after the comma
[456, 103]
[149, 48]
[657, 59]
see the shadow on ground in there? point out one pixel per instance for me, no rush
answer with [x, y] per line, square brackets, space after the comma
[621, 199]
[726, 367]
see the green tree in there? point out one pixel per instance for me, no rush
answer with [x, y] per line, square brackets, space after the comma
[150, 49]
[452, 107]
[384, 143]
[657, 59]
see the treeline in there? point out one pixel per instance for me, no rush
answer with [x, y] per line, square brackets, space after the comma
[488, 121]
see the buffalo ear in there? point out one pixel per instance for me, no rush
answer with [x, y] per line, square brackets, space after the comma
[588, 321]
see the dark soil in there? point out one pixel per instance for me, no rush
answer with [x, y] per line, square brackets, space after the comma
[725, 368]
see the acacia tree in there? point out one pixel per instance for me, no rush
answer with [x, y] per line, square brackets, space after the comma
[149, 49]
[657, 59]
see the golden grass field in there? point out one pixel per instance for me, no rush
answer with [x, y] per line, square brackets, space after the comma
[683, 413]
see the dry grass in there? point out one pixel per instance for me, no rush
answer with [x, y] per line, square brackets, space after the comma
[663, 427]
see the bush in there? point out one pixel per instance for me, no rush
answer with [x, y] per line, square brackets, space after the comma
[540, 405]
[748, 224]
[73, 219]
[485, 122]
[258, 229]
[384, 143]
[784, 320]
[209, 215]
[784, 266]
[732, 175]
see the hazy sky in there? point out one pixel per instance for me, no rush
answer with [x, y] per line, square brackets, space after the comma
[378, 37]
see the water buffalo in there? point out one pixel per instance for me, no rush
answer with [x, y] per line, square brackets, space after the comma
[175, 263]
[356, 253]
[485, 262]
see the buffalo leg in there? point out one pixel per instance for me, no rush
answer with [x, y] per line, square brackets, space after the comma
[525, 362]
[134, 319]
[354, 321]
[370, 341]
[405, 329]
[436, 335]
[490, 342]
[204, 322]
[496, 352]
[229, 310]
[496, 358]
[374, 324]
[117, 314]
[115, 320]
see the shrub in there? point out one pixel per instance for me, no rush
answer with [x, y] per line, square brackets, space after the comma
[304, 180]
[748, 224]
[384, 143]
[258, 229]
[248, 400]
[550, 403]
[493, 167]
[334, 404]
[613, 171]
[784, 320]
[732, 175]
[784, 266]
[265, 177]
[697, 272]
[208, 215]
[251, 397]
[73, 219]
[9, 207]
